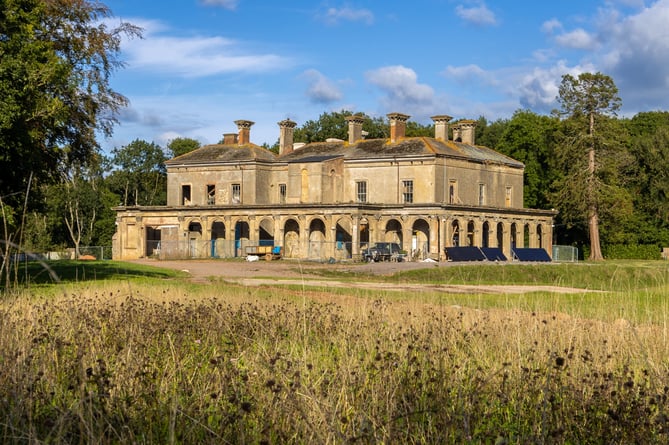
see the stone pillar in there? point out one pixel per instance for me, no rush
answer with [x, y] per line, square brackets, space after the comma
[533, 241]
[520, 235]
[398, 123]
[407, 238]
[354, 128]
[434, 237]
[467, 131]
[244, 131]
[355, 236]
[441, 126]
[506, 240]
[478, 233]
[286, 130]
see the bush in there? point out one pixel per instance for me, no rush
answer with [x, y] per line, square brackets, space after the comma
[631, 251]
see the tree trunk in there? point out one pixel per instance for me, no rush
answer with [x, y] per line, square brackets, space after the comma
[593, 211]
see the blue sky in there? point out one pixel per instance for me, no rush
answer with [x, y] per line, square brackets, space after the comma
[202, 64]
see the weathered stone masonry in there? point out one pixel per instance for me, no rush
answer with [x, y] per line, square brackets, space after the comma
[332, 199]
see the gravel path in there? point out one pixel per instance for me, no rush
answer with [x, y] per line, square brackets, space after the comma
[292, 272]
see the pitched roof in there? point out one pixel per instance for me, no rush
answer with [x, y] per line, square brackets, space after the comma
[382, 148]
[222, 153]
[361, 150]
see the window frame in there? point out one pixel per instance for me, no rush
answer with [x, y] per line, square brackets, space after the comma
[407, 191]
[236, 193]
[361, 191]
[283, 191]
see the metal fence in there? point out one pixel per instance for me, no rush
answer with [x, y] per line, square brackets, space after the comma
[85, 252]
[565, 254]
[316, 250]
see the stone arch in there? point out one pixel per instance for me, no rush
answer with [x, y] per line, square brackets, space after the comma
[485, 234]
[420, 239]
[500, 236]
[291, 238]
[392, 232]
[194, 226]
[514, 235]
[471, 232]
[218, 240]
[266, 232]
[218, 230]
[194, 237]
[364, 232]
[242, 237]
[540, 236]
[343, 237]
[527, 238]
[317, 235]
[455, 233]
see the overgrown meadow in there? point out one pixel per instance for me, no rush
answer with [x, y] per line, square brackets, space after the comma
[144, 356]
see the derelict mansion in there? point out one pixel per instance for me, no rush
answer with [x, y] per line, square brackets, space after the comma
[334, 198]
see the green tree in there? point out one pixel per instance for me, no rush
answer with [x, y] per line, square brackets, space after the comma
[489, 134]
[530, 139]
[179, 146]
[649, 146]
[334, 125]
[56, 57]
[139, 176]
[588, 150]
[76, 201]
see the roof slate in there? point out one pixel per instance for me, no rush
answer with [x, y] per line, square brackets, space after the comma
[361, 150]
[222, 153]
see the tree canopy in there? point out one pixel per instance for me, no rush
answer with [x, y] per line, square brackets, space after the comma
[588, 100]
[56, 58]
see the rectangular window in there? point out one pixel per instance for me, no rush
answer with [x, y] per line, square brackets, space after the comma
[211, 194]
[361, 191]
[236, 193]
[507, 196]
[185, 195]
[282, 193]
[452, 191]
[481, 194]
[407, 191]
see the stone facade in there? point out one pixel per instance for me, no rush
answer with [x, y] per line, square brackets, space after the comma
[332, 199]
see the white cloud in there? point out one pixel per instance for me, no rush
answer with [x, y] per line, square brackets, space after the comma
[538, 89]
[334, 16]
[577, 39]
[550, 26]
[467, 73]
[321, 89]
[227, 4]
[193, 56]
[476, 15]
[638, 53]
[402, 91]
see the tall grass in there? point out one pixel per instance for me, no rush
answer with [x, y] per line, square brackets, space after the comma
[165, 362]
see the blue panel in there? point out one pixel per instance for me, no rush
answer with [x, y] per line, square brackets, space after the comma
[468, 253]
[493, 254]
[531, 254]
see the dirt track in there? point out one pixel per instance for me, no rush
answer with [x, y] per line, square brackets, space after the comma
[291, 272]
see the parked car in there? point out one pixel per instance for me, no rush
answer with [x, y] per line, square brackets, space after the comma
[383, 252]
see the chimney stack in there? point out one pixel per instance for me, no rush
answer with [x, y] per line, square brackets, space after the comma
[398, 125]
[441, 126]
[467, 131]
[354, 128]
[287, 128]
[244, 131]
[229, 138]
